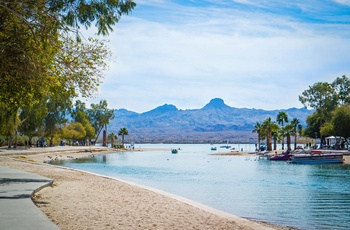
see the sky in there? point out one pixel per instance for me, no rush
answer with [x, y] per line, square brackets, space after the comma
[251, 53]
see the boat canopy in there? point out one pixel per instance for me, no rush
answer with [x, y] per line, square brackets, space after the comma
[332, 140]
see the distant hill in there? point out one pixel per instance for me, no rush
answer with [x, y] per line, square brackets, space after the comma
[215, 122]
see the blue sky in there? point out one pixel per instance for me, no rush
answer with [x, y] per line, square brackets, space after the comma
[251, 53]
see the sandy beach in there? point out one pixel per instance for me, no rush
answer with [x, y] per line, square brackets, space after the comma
[81, 200]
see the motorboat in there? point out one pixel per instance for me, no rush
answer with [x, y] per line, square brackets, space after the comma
[213, 148]
[174, 151]
[281, 157]
[317, 157]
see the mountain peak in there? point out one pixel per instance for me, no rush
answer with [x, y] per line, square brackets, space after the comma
[216, 103]
[164, 108]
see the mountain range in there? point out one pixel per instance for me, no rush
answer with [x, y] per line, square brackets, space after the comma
[215, 122]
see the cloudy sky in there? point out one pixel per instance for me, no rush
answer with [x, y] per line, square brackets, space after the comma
[251, 53]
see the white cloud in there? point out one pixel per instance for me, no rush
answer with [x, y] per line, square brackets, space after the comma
[249, 59]
[343, 2]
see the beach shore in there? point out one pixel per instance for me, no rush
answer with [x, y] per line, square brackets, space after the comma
[81, 200]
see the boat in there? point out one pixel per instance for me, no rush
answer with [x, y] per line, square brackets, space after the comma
[234, 150]
[281, 157]
[317, 157]
[225, 146]
[174, 151]
[213, 148]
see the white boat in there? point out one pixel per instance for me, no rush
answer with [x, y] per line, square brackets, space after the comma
[213, 148]
[317, 158]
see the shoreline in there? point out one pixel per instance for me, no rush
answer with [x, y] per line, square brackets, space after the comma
[157, 209]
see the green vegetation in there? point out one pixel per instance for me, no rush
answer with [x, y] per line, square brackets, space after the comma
[123, 132]
[331, 102]
[331, 117]
[270, 130]
[45, 64]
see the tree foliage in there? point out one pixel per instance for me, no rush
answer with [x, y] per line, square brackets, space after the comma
[282, 118]
[325, 98]
[340, 123]
[100, 116]
[44, 61]
[123, 132]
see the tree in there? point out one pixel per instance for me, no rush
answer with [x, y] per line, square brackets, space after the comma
[258, 130]
[341, 85]
[341, 121]
[282, 117]
[112, 137]
[288, 131]
[32, 120]
[275, 137]
[100, 116]
[80, 114]
[73, 131]
[327, 129]
[39, 56]
[313, 123]
[321, 97]
[297, 129]
[269, 127]
[122, 132]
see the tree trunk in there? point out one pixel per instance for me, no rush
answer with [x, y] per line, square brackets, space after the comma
[104, 142]
[288, 143]
[10, 141]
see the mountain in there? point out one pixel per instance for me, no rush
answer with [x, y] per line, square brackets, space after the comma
[215, 122]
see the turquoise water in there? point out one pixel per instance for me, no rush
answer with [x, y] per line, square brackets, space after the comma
[302, 196]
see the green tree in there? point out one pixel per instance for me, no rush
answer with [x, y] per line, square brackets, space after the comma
[313, 123]
[122, 132]
[112, 137]
[80, 114]
[297, 129]
[341, 121]
[73, 131]
[258, 129]
[282, 118]
[269, 127]
[289, 131]
[40, 58]
[32, 120]
[100, 116]
[327, 129]
[321, 97]
[341, 85]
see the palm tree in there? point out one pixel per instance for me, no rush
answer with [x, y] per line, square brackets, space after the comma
[297, 129]
[122, 132]
[257, 129]
[112, 137]
[276, 136]
[282, 117]
[268, 128]
[288, 131]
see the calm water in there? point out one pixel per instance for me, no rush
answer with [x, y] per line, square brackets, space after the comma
[303, 196]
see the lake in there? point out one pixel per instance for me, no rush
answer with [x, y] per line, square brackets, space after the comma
[302, 196]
